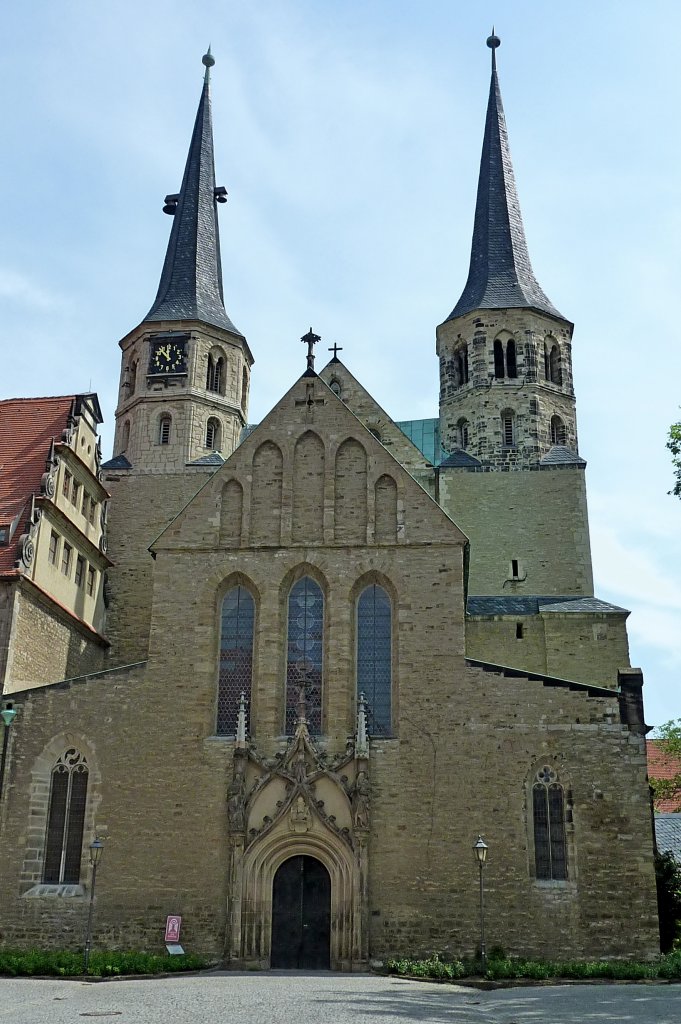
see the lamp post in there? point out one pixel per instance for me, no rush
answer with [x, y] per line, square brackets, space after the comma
[96, 847]
[480, 850]
[8, 714]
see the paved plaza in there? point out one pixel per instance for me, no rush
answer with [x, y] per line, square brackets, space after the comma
[325, 998]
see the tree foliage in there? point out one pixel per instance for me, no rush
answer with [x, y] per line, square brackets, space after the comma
[668, 878]
[669, 738]
[674, 445]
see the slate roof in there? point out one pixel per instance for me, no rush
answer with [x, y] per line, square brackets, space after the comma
[118, 462]
[532, 605]
[27, 428]
[500, 274]
[459, 458]
[191, 281]
[214, 459]
[561, 455]
[662, 765]
[668, 834]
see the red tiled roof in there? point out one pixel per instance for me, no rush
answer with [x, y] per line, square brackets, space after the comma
[27, 427]
[662, 765]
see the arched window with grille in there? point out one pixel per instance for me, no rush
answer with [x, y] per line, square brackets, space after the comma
[462, 433]
[499, 359]
[164, 430]
[508, 430]
[214, 374]
[235, 673]
[374, 657]
[558, 432]
[548, 815]
[213, 434]
[305, 653]
[66, 819]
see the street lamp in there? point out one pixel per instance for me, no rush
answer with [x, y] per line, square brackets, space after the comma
[96, 847]
[8, 714]
[480, 850]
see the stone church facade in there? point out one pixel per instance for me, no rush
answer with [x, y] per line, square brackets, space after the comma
[330, 661]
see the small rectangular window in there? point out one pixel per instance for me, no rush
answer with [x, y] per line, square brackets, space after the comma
[80, 571]
[92, 511]
[4, 535]
[66, 559]
[518, 630]
[515, 573]
[91, 580]
[66, 484]
[86, 498]
[54, 547]
[75, 491]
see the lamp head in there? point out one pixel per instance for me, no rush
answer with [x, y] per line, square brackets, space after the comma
[96, 847]
[480, 850]
[8, 715]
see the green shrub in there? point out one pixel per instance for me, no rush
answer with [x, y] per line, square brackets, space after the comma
[102, 964]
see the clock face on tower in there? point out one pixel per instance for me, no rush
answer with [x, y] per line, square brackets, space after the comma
[167, 356]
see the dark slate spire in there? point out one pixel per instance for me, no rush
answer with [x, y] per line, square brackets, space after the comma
[191, 281]
[500, 274]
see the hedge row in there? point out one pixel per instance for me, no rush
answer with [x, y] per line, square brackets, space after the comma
[102, 965]
[500, 967]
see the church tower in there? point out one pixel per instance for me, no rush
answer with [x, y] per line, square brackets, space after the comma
[184, 382]
[507, 403]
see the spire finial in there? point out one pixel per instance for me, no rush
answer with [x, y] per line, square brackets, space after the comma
[208, 60]
[493, 42]
[310, 339]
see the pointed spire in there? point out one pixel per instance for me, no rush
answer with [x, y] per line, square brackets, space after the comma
[500, 274]
[191, 281]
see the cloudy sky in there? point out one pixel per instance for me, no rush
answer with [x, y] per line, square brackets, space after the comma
[348, 136]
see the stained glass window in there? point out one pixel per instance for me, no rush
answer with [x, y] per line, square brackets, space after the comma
[550, 853]
[66, 819]
[236, 657]
[305, 653]
[374, 657]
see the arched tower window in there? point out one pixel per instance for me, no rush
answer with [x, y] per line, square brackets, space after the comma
[336, 388]
[132, 377]
[164, 429]
[65, 819]
[508, 428]
[213, 434]
[304, 659]
[511, 362]
[244, 389]
[558, 433]
[499, 359]
[374, 657]
[214, 374]
[125, 436]
[462, 433]
[237, 621]
[461, 358]
[547, 363]
[555, 373]
[548, 810]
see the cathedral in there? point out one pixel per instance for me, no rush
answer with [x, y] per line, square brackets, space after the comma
[289, 673]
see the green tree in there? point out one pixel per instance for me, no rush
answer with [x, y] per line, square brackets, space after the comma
[669, 737]
[674, 445]
[668, 878]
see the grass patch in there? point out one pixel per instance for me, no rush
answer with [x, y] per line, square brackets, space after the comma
[66, 964]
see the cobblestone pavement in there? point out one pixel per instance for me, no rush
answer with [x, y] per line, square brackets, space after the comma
[297, 998]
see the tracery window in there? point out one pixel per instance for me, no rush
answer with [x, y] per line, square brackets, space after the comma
[304, 660]
[558, 433]
[374, 657]
[214, 374]
[66, 819]
[235, 673]
[550, 849]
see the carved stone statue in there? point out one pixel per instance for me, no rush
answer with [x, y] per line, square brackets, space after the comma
[299, 818]
[236, 795]
[361, 798]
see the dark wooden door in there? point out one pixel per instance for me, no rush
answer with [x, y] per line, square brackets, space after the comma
[301, 915]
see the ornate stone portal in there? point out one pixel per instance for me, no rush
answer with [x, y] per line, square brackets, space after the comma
[302, 802]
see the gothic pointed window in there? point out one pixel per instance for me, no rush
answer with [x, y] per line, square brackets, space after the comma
[213, 434]
[304, 659]
[511, 361]
[66, 819]
[547, 363]
[462, 433]
[374, 657]
[132, 378]
[235, 674]
[548, 815]
[558, 433]
[461, 358]
[164, 430]
[499, 359]
[214, 374]
[555, 373]
[508, 430]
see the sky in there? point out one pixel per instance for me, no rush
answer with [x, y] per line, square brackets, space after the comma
[348, 136]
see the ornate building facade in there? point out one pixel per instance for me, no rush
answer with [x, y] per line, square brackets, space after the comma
[335, 657]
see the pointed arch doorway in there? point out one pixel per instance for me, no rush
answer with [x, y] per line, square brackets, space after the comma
[301, 915]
